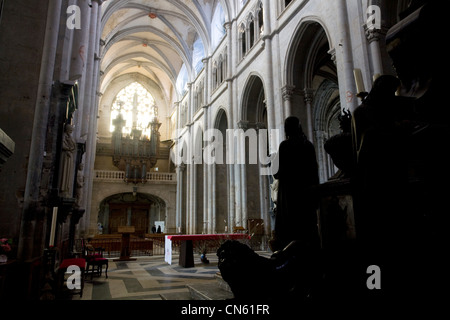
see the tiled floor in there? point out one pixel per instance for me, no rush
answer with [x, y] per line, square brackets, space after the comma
[147, 278]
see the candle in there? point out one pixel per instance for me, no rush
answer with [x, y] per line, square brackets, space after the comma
[359, 80]
[376, 76]
[53, 228]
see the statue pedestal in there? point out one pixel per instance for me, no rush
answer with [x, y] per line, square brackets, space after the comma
[125, 251]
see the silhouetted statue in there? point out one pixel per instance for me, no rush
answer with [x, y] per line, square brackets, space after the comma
[381, 176]
[291, 273]
[296, 217]
[340, 147]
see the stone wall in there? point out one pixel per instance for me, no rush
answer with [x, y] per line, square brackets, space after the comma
[20, 64]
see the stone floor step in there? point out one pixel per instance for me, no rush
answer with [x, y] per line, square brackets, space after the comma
[222, 283]
[176, 296]
[208, 291]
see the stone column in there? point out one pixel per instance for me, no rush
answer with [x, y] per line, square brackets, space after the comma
[287, 92]
[38, 137]
[373, 37]
[233, 206]
[243, 125]
[193, 199]
[178, 221]
[190, 102]
[206, 180]
[263, 200]
[212, 211]
[191, 192]
[92, 112]
[80, 42]
[344, 57]
[269, 89]
[87, 103]
[309, 96]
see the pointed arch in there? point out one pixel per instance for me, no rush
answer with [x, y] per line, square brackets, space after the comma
[310, 30]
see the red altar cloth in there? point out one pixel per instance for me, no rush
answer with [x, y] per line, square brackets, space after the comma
[222, 236]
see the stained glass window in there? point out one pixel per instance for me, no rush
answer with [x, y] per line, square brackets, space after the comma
[137, 107]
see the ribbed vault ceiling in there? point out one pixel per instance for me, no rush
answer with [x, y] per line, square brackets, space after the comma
[155, 38]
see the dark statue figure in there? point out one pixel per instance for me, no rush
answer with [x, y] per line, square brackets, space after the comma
[340, 148]
[381, 177]
[296, 217]
[291, 273]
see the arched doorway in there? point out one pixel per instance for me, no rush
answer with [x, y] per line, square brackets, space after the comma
[142, 211]
[256, 186]
[312, 74]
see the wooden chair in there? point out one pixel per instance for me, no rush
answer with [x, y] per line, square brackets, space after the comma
[95, 261]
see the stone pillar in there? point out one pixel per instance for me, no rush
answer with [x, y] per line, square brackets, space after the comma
[344, 57]
[190, 102]
[287, 92]
[309, 96]
[193, 199]
[243, 176]
[373, 37]
[191, 190]
[233, 206]
[92, 111]
[212, 212]
[86, 104]
[273, 122]
[206, 180]
[180, 169]
[38, 138]
[80, 42]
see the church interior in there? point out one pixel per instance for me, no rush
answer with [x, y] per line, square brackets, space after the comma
[129, 125]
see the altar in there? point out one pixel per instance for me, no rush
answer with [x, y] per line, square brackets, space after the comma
[186, 258]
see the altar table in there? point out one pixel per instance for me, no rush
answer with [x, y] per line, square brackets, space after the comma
[186, 258]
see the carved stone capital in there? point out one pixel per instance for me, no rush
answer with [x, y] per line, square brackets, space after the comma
[373, 34]
[227, 25]
[260, 125]
[243, 124]
[287, 92]
[308, 95]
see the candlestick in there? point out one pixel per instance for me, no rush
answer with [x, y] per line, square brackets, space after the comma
[359, 80]
[53, 227]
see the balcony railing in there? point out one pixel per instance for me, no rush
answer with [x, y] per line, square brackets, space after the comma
[117, 176]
